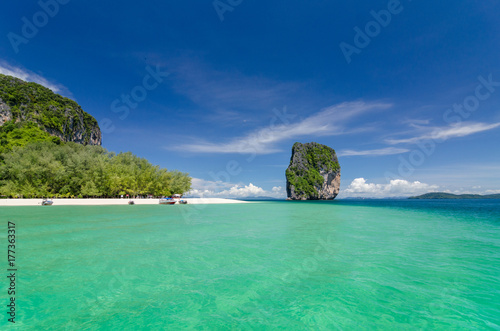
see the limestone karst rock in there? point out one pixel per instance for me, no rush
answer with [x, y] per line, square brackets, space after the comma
[23, 102]
[313, 173]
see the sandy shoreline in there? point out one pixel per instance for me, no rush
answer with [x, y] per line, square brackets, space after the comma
[103, 202]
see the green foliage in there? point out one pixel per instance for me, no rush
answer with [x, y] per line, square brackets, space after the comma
[321, 157]
[31, 102]
[34, 163]
[42, 169]
[304, 180]
[19, 134]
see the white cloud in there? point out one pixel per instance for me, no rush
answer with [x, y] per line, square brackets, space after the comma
[219, 189]
[374, 152]
[443, 133]
[30, 76]
[278, 190]
[395, 188]
[327, 122]
[492, 192]
[472, 190]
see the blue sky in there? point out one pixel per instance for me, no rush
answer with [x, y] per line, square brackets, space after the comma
[407, 92]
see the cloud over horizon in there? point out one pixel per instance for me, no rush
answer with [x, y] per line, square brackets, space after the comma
[395, 188]
[219, 189]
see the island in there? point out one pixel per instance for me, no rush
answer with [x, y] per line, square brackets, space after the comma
[442, 195]
[313, 173]
[50, 147]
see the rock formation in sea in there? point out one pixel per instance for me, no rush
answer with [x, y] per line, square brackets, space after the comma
[23, 102]
[313, 173]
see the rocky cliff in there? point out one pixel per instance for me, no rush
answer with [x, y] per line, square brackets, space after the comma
[21, 102]
[313, 173]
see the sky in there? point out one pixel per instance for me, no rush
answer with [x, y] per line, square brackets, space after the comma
[406, 92]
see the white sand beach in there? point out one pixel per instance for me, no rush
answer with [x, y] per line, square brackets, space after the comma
[97, 202]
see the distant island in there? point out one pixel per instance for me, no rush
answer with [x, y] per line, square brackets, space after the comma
[442, 195]
[50, 147]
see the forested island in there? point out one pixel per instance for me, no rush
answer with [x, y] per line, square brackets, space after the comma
[313, 173]
[50, 147]
[442, 195]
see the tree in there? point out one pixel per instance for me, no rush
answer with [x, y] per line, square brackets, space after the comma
[43, 169]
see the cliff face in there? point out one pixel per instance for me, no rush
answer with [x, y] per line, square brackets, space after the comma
[59, 116]
[313, 173]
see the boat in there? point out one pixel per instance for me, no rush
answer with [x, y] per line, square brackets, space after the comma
[46, 202]
[174, 199]
[131, 202]
[167, 201]
[178, 199]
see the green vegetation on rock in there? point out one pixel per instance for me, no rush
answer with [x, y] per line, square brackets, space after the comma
[22, 102]
[19, 134]
[304, 180]
[322, 158]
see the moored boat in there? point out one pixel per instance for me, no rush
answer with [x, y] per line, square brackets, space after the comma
[178, 199]
[167, 201]
[174, 199]
[46, 202]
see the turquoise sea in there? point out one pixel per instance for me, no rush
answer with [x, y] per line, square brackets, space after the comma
[346, 265]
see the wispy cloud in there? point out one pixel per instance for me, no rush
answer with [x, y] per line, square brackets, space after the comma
[327, 122]
[226, 89]
[30, 76]
[443, 133]
[374, 152]
[415, 122]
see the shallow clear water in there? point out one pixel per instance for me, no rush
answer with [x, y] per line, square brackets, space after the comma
[269, 265]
